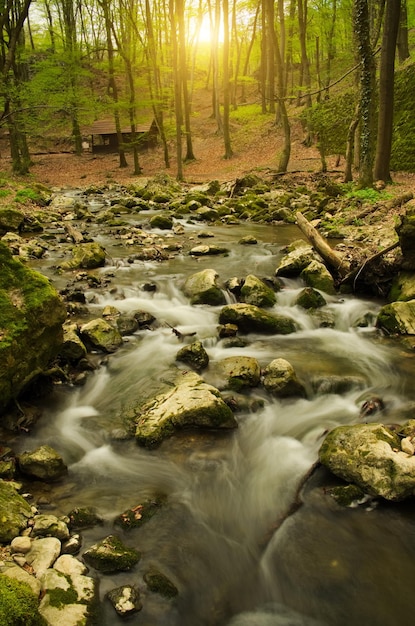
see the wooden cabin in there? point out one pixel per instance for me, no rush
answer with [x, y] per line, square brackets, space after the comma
[103, 136]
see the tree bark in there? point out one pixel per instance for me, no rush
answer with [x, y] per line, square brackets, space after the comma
[386, 89]
[226, 85]
[337, 264]
[367, 89]
[403, 44]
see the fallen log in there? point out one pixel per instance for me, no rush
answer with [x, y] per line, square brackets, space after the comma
[330, 256]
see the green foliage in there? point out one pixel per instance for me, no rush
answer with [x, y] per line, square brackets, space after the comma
[329, 121]
[4, 193]
[368, 195]
[403, 154]
[18, 604]
[27, 193]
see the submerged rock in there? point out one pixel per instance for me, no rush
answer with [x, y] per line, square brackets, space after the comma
[190, 403]
[250, 318]
[139, 514]
[370, 456]
[159, 583]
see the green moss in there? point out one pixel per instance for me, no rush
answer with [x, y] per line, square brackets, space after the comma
[18, 604]
[346, 495]
[59, 597]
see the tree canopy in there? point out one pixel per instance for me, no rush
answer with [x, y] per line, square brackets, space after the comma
[66, 63]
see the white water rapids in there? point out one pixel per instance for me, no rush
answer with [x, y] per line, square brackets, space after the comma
[228, 493]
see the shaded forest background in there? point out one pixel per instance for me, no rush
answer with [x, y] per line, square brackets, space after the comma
[260, 75]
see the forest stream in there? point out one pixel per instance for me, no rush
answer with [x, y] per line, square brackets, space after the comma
[227, 536]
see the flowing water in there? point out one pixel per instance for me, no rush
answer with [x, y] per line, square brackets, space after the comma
[222, 537]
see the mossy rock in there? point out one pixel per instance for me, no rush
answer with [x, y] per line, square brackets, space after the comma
[346, 495]
[397, 318]
[190, 403]
[18, 604]
[317, 276]
[86, 256]
[164, 222]
[111, 555]
[101, 335]
[403, 287]
[139, 514]
[280, 379]
[31, 318]
[239, 372]
[15, 512]
[250, 318]
[194, 355]
[44, 463]
[310, 298]
[203, 288]
[83, 517]
[10, 220]
[255, 291]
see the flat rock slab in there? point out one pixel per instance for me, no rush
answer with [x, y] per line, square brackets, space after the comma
[190, 403]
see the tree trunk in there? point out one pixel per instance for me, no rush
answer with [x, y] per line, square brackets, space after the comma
[177, 91]
[226, 86]
[403, 44]
[367, 88]
[331, 257]
[386, 91]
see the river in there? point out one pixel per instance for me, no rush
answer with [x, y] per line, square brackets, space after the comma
[223, 537]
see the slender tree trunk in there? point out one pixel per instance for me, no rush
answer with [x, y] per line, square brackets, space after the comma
[183, 79]
[226, 86]
[386, 91]
[367, 91]
[264, 58]
[177, 91]
[403, 44]
[248, 53]
[331, 46]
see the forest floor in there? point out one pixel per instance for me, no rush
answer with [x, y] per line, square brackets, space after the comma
[256, 144]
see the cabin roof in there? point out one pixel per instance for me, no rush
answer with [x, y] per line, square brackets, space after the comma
[107, 127]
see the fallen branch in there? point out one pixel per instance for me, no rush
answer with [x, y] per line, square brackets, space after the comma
[331, 257]
[356, 273]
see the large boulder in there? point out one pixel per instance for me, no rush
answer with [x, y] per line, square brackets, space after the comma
[310, 298]
[31, 318]
[203, 288]
[15, 512]
[44, 463]
[252, 319]
[397, 318]
[68, 596]
[403, 287]
[255, 291]
[280, 379]
[10, 220]
[190, 403]
[370, 456]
